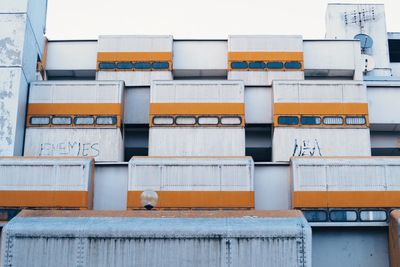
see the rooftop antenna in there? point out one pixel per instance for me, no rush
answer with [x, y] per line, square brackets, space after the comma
[359, 17]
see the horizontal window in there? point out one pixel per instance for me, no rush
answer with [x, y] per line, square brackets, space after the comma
[208, 120]
[185, 120]
[257, 65]
[107, 65]
[292, 65]
[163, 120]
[309, 120]
[234, 120]
[359, 120]
[288, 120]
[143, 65]
[333, 120]
[125, 65]
[275, 65]
[343, 215]
[239, 65]
[61, 120]
[161, 65]
[373, 216]
[106, 120]
[39, 120]
[315, 215]
[86, 120]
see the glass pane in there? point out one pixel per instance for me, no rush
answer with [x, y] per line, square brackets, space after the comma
[293, 65]
[275, 65]
[343, 216]
[333, 120]
[61, 120]
[185, 120]
[231, 120]
[257, 65]
[106, 120]
[208, 120]
[355, 120]
[315, 215]
[107, 65]
[373, 215]
[143, 65]
[239, 65]
[84, 120]
[39, 120]
[288, 120]
[160, 65]
[310, 120]
[125, 65]
[163, 120]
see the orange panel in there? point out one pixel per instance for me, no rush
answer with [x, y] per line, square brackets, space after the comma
[345, 199]
[320, 108]
[196, 109]
[265, 56]
[44, 199]
[134, 56]
[75, 109]
[309, 199]
[196, 199]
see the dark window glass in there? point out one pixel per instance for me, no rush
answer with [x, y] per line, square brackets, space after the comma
[343, 215]
[394, 50]
[257, 65]
[293, 65]
[315, 215]
[161, 65]
[288, 120]
[239, 65]
[275, 65]
[125, 65]
[310, 120]
[143, 65]
[107, 65]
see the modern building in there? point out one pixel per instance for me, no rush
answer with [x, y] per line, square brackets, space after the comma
[246, 125]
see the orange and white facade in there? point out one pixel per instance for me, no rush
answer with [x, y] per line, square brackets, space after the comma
[345, 182]
[193, 182]
[320, 118]
[55, 183]
[75, 119]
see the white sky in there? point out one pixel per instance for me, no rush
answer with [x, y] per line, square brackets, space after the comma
[186, 19]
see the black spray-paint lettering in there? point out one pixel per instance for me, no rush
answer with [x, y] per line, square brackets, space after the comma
[71, 148]
[306, 148]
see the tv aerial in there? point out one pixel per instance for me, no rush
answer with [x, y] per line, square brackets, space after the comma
[359, 17]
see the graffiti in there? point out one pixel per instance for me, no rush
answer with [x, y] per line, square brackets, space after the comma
[70, 149]
[306, 148]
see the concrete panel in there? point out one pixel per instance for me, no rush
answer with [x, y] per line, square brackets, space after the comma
[350, 246]
[111, 186]
[258, 104]
[13, 96]
[272, 186]
[332, 58]
[137, 105]
[200, 55]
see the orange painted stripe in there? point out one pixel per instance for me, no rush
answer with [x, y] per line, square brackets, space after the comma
[346, 199]
[265, 56]
[196, 199]
[197, 109]
[75, 109]
[44, 199]
[134, 56]
[320, 108]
